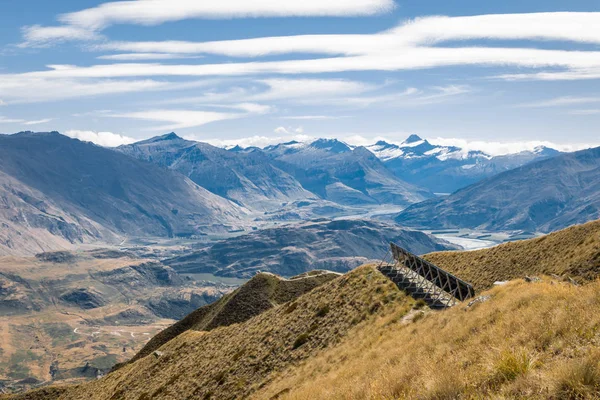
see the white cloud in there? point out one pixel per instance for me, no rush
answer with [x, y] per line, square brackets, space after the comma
[144, 56]
[585, 112]
[106, 139]
[254, 141]
[561, 101]
[302, 88]
[37, 35]
[154, 12]
[502, 148]
[23, 88]
[179, 119]
[289, 130]
[6, 120]
[398, 59]
[425, 31]
[408, 46]
[39, 121]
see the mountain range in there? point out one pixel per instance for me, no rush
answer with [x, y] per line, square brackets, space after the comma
[351, 176]
[445, 169]
[57, 191]
[542, 196]
[249, 179]
[339, 246]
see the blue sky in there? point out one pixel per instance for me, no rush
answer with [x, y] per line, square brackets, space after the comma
[463, 72]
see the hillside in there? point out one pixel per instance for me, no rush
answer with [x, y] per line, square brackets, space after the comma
[527, 341]
[73, 315]
[542, 196]
[247, 178]
[235, 361]
[289, 250]
[349, 176]
[76, 192]
[357, 336]
[259, 294]
[572, 252]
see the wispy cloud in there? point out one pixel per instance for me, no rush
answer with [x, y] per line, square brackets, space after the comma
[23, 88]
[106, 139]
[282, 130]
[19, 121]
[585, 112]
[497, 148]
[254, 141]
[154, 12]
[561, 101]
[314, 117]
[39, 121]
[37, 35]
[410, 46]
[145, 56]
[182, 119]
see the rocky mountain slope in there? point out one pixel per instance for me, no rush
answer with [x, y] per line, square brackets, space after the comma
[445, 169]
[248, 178]
[350, 176]
[56, 190]
[73, 315]
[542, 196]
[289, 250]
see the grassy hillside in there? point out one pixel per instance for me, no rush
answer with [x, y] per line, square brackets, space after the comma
[529, 341]
[236, 361]
[259, 294]
[358, 337]
[573, 252]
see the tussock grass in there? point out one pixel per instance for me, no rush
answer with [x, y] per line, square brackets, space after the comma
[529, 341]
[573, 252]
[238, 360]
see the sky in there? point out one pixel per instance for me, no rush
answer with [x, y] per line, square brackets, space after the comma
[501, 76]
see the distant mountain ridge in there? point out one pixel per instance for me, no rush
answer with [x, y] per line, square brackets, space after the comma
[248, 178]
[445, 169]
[58, 191]
[345, 175]
[294, 249]
[416, 161]
[542, 196]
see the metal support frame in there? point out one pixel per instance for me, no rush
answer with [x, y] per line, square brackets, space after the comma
[440, 287]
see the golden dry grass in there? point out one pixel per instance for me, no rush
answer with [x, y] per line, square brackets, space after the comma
[262, 292]
[529, 341]
[572, 252]
[237, 360]
[358, 337]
